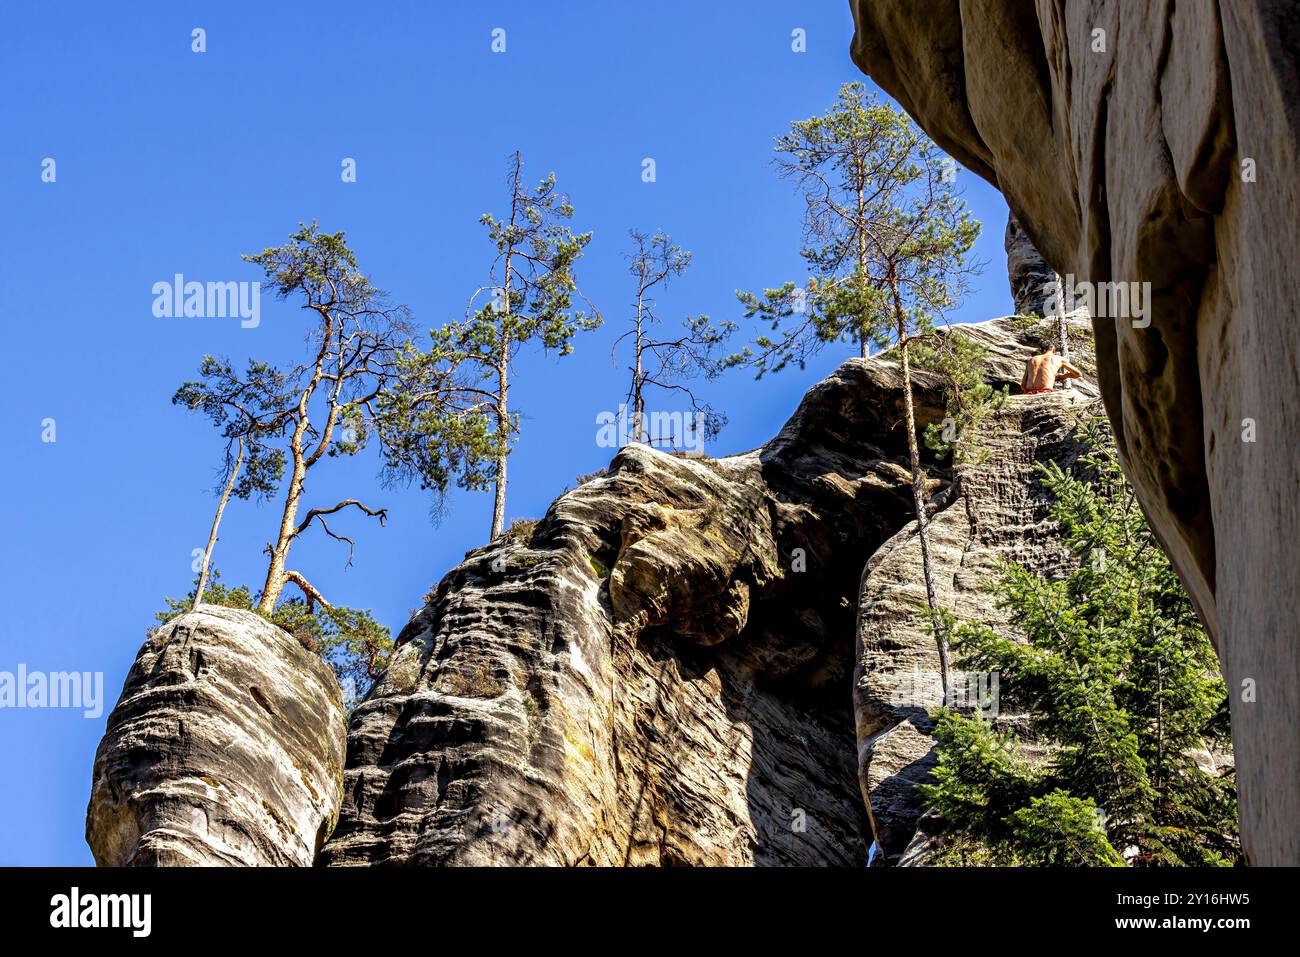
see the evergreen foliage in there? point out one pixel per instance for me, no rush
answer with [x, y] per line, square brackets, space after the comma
[1119, 680]
[349, 640]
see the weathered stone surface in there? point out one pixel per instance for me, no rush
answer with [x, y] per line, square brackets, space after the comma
[1143, 141]
[646, 679]
[225, 748]
[996, 510]
[1027, 271]
[661, 671]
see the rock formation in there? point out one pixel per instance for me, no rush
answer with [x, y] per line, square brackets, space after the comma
[658, 673]
[1148, 142]
[225, 748]
[996, 510]
[681, 663]
[1027, 271]
[661, 671]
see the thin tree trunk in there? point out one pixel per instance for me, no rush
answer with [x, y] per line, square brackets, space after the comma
[499, 500]
[276, 576]
[216, 523]
[275, 572]
[862, 247]
[638, 403]
[918, 497]
[865, 353]
[1058, 306]
[503, 371]
[503, 429]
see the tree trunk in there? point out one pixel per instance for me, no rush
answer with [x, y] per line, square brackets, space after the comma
[216, 523]
[275, 572]
[503, 433]
[862, 250]
[1058, 306]
[918, 498]
[638, 402]
[503, 370]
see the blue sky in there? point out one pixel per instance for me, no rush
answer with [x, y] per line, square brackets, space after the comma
[172, 161]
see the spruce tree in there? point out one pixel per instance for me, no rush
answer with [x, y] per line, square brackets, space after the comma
[1120, 682]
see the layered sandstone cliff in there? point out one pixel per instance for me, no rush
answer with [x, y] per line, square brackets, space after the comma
[663, 670]
[225, 748]
[683, 662]
[1152, 142]
[657, 673]
[1027, 272]
[994, 511]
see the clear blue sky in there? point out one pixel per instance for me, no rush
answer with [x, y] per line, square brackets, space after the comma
[170, 161]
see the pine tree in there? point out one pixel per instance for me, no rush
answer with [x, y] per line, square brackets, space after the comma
[1119, 679]
[469, 365]
[886, 239]
[282, 423]
[294, 418]
[666, 362]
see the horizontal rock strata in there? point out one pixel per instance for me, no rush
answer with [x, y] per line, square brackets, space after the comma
[226, 748]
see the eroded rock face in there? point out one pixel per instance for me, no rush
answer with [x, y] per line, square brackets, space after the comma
[661, 672]
[1027, 271]
[997, 510]
[1143, 141]
[670, 668]
[658, 674]
[225, 748]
